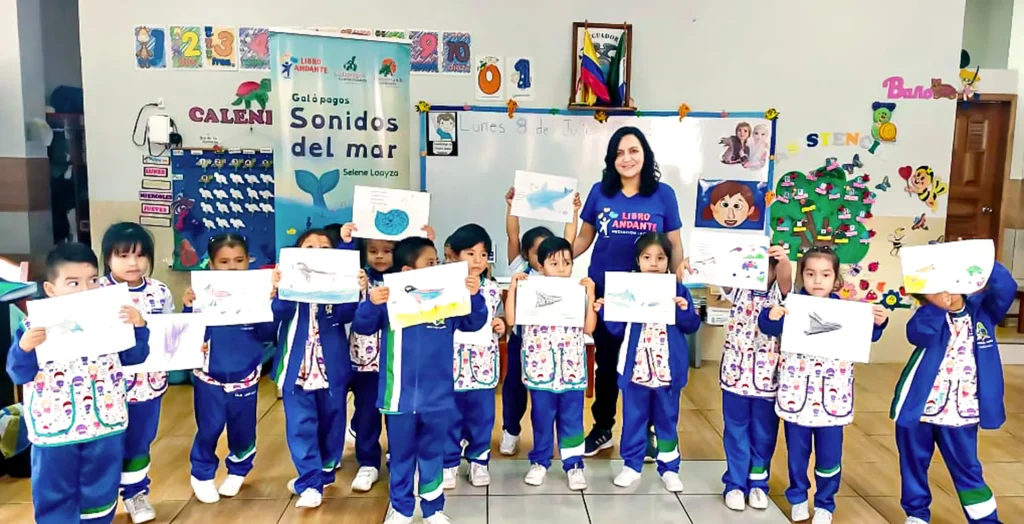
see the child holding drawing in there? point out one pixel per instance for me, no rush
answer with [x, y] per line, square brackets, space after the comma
[225, 389]
[476, 368]
[554, 370]
[313, 372]
[522, 258]
[78, 440]
[653, 366]
[128, 258]
[952, 384]
[749, 379]
[417, 392]
[816, 421]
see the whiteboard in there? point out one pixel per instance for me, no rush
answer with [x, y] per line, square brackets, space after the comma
[471, 187]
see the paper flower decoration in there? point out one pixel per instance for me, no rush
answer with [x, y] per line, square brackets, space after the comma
[890, 300]
[683, 111]
[771, 113]
[512, 106]
[601, 116]
[422, 106]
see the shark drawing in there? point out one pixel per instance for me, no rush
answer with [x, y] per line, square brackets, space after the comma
[423, 295]
[65, 327]
[819, 326]
[308, 272]
[544, 299]
[622, 296]
[546, 198]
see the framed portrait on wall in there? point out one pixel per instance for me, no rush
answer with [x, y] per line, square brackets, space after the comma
[602, 66]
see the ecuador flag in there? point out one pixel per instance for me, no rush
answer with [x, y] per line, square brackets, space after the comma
[591, 81]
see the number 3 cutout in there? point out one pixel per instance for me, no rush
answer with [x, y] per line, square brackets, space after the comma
[225, 44]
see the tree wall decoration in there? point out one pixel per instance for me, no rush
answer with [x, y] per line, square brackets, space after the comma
[820, 208]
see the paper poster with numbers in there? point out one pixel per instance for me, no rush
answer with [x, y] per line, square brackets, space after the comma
[221, 45]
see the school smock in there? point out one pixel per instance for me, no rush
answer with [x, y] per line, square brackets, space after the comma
[656, 355]
[475, 366]
[929, 330]
[416, 362]
[76, 401]
[554, 358]
[234, 354]
[813, 391]
[619, 220]
[150, 297]
[750, 358]
[331, 320]
[364, 350]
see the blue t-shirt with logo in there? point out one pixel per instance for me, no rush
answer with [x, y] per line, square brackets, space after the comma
[620, 221]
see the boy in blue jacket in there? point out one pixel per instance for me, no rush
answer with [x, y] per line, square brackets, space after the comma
[417, 387]
[952, 384]
[76, 411]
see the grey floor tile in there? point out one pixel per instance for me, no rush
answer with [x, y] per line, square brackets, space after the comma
[507, 479]
[601, 473]
[648, 509]
[466, 509]
[702, 477]
[563, 509]
[463, 487]
[710, 509]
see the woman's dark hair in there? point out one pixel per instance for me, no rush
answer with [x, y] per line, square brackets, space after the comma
[408, 250]
[551, 246]
[530, 237]
[611, 181]
[827, 253]
[226, 240]
[647, 240]
[126, 237]
[468, 236]
[315, 232]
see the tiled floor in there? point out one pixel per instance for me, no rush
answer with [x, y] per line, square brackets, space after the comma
[869, 492]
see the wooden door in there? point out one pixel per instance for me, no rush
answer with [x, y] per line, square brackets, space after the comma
[980, 142]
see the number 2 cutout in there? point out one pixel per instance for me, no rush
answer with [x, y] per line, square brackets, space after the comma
[191, 40]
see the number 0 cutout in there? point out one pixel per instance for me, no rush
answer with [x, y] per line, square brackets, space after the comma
[489, 79]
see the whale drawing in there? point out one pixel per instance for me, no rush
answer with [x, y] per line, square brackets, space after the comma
[65, 327]
[546, 197]
[623, 296]
[423, 295]
[308, 272]
[317, 187]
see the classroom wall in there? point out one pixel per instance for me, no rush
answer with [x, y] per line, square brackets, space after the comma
[62, 61]
[820, 63]
[987, 32]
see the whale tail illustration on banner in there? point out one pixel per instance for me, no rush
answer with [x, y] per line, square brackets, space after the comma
[317, 187]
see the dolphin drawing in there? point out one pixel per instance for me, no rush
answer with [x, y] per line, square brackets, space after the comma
[317, 187]
[423, 295]
[546, 300]
[623, 296]
[819, 326]
[308, 272]
[546, 198]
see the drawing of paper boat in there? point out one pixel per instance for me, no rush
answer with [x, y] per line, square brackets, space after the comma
[65, 327]
[543, 299]
[819, 326]
[423, 295]
[546, 198]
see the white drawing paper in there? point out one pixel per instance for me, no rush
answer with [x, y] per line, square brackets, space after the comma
[427, 295]
[86, 324]
[544, 197]
[826, 327]
[640, 297]
[389, 214]
[551, 301]
[519, 78]
[228, 298]
[736, 260]
[175, 343]
[956, 267]
[319, 276]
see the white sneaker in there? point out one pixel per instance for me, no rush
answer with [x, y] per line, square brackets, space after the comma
[365, 479]
[509, 443]
[310, 498]
[577, 481]
[734, 500]
[627, 477]
[140, 509]
[479, 476]
[394, 517]
[449, 478]
[915, 520]
[291, 486]
[205, 490]
[822, 516]
[231, 485]
[800, 512]
[758, 499]
[535, 477]
[673, 483]
[438, 518]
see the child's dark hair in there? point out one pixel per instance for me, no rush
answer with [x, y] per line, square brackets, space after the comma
[68, 253]
[226, 240]
[333, 232]
[826, 252]
[650, 239]
[552, 246]
[531, 236]
[468, 236]
[315, 232]
[126, 237]
[408, 250]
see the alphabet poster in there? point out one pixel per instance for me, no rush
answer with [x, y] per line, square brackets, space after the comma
[389, 214]
[829, 328]
[86, 324]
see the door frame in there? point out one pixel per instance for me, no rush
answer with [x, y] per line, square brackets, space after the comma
[1008, 197]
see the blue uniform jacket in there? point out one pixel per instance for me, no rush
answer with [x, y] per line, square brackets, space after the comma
[929, 332]
[416, 362]
[773, 328]
[687, 322]
[234, 352]
[331, 319]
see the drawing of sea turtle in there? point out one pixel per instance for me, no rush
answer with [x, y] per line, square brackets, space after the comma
[249, 92]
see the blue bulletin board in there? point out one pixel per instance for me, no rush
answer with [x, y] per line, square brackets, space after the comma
[222, 191]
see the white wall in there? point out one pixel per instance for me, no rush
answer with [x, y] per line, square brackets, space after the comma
[62, 61]
[987, 32]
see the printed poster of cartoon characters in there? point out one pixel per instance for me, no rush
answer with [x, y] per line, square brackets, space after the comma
[442, 133]
[736, 148]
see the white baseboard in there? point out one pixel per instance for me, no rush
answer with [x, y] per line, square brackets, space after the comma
[1011, 354]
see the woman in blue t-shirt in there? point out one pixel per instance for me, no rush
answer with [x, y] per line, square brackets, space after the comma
[628, 202]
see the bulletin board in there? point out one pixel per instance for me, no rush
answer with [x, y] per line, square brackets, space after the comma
[486, 146]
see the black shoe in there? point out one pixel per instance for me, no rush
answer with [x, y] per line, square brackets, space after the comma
[597, 440]
[652, 449]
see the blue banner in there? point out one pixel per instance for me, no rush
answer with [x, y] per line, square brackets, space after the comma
[344, 121]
